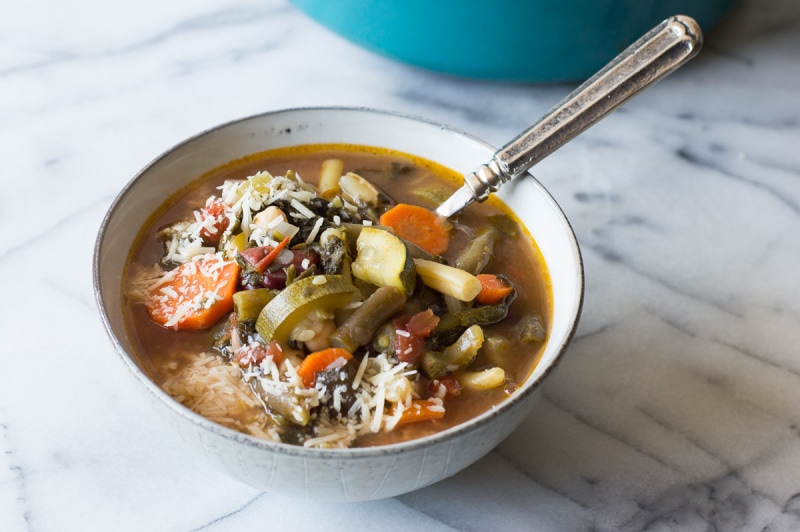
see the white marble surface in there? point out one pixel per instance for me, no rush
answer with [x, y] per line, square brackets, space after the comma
[678, 404]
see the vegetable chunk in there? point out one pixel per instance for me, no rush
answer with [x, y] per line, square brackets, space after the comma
[494, 288]
[299, 299]
[321, 361]
[448, 280]
[195, 295]
[383, 260]
[358, 329]
[419, 226]
[422, 410]
[337, 309]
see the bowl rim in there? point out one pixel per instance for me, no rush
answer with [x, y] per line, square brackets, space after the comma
[529, 386]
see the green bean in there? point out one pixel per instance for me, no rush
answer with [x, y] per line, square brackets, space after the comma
[451, 325]
[384, 338]
[477, 254]
[505, 224]
[358, 329]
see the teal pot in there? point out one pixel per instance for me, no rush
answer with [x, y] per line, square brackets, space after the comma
[510, 40]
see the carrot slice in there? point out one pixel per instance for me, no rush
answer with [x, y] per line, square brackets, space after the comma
[320, 361]
[421, 410]
[419, 226]
[493, 289]
[270, 257]
[195, 295]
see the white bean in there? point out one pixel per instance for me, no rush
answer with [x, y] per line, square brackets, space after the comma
[483, 380]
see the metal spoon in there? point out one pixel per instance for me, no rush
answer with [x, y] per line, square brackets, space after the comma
[656, 54]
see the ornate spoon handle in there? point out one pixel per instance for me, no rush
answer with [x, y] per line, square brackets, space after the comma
[653, 56]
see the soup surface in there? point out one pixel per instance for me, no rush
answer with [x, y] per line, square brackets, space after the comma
[311, 296]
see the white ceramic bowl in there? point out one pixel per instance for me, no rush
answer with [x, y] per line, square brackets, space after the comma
[337, 474]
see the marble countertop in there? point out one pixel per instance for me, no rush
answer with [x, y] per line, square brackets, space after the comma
[677, 405]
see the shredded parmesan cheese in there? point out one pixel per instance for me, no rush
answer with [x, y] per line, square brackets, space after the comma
[335, 413]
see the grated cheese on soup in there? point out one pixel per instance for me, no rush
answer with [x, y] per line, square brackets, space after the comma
[247, 246]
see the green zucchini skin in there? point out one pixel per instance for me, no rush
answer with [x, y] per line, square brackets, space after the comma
[383, 259]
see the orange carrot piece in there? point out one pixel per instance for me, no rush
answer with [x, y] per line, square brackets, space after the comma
[493, 289]
[184, 302]
[269, 257]
[421, 410]
[320, 361]
[419, 226]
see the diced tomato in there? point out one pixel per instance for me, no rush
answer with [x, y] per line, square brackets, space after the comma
[275, 275]
[408, 347]
[422, 323]
[273, 261]
[450, 384]
[254, 353]
[410, 335]
[254, 255]
[216, 211]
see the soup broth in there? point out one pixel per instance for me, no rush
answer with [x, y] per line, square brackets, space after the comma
[222, 369]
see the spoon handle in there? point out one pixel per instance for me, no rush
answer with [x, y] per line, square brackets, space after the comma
[650, 58]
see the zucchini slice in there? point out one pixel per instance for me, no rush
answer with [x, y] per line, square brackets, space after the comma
[319, 292]
[383, 259]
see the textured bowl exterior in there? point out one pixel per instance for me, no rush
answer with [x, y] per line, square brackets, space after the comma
[513, 40]
[336, 474]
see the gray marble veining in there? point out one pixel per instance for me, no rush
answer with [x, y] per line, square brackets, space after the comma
[677, 406]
